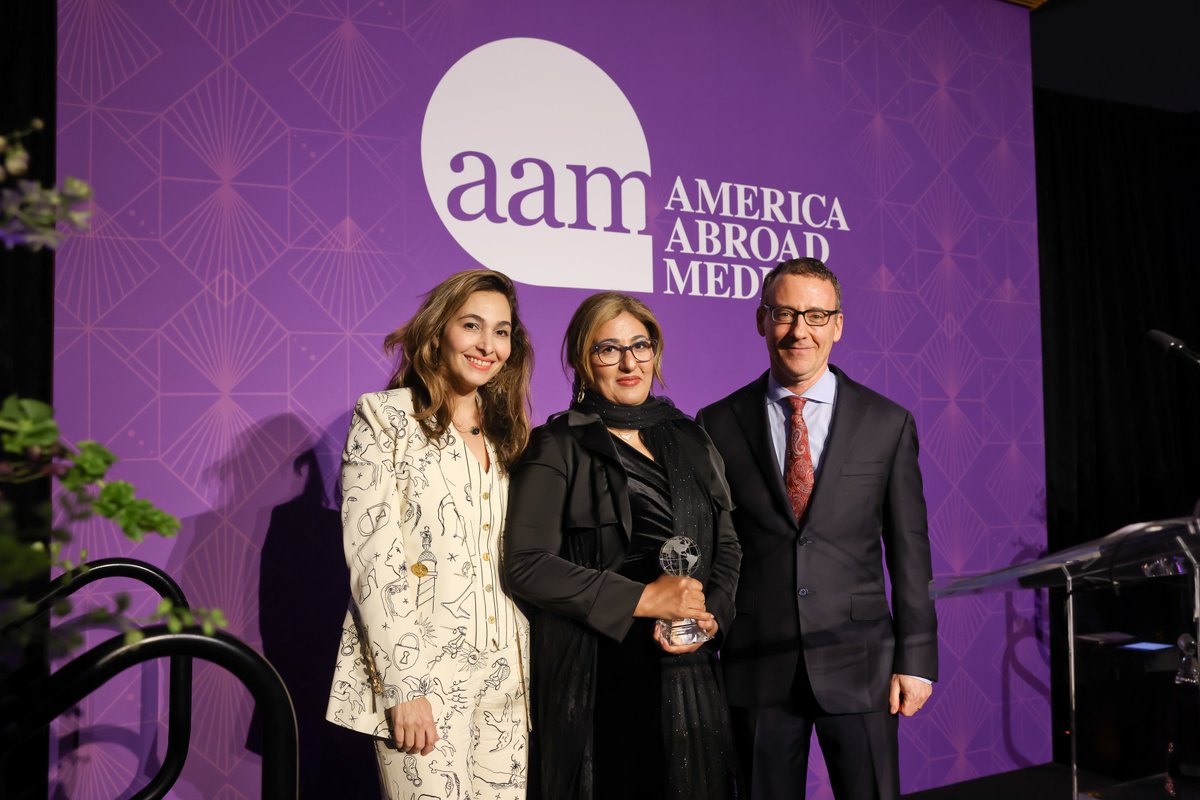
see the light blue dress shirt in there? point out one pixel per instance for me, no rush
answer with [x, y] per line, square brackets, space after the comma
[818, 416]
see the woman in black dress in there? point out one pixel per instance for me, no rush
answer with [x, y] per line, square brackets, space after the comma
[619, 712]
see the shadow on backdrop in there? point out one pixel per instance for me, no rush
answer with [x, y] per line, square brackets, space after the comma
[79, 745]
[302, 597]
[1023, 627]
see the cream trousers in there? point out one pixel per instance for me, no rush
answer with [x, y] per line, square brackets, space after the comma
[483, 746]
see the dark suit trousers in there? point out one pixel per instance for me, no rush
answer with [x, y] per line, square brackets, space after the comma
[861, 750]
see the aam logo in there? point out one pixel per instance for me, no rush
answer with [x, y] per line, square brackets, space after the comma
[538, 166]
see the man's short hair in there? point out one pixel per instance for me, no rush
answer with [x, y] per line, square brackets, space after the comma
[805, 268]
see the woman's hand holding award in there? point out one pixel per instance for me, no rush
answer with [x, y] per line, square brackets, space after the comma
[680, 556]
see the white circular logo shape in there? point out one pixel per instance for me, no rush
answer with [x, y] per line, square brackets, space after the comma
[538, 166]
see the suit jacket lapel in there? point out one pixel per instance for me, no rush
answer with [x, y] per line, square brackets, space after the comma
[458, 467]
[850, 413]
[596, 439]
[751, 412]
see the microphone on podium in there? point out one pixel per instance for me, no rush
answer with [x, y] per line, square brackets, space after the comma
[1172, 345]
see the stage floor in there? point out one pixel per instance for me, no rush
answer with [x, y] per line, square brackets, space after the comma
[1047, 782]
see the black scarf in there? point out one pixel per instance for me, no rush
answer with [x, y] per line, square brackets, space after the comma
[660, 424]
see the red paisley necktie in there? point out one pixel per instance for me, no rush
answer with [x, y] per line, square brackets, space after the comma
[797, 461]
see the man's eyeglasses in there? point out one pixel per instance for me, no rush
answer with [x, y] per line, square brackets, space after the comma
[786, 315]
[610, 354]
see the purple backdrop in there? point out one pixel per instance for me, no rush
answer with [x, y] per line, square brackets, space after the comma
[271, 198]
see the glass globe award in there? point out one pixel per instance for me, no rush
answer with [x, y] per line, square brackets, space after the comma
[680, 556]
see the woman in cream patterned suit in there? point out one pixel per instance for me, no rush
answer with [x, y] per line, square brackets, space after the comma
[434, 654]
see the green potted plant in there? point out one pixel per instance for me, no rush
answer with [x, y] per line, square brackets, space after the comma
[32, 449]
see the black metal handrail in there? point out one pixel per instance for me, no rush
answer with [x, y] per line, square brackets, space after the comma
[93, 669]
[68, 583]
[179, 680]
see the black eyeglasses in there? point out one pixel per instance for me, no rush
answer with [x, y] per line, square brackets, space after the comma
[786, 315]
[610, 354]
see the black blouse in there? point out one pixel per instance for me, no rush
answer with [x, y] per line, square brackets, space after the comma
[650, 503]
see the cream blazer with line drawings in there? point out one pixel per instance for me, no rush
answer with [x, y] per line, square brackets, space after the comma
[421, 524]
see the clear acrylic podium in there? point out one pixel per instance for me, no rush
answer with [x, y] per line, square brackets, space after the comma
[1133, 554]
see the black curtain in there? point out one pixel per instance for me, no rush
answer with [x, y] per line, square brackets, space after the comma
[27, 64]
[1118, 191]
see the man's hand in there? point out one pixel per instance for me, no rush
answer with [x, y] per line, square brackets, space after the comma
[412, 726]
[908, 694]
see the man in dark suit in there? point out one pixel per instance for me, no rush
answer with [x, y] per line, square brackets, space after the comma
[825, 477]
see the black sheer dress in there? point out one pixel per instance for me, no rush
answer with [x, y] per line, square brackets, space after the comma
[661, 725]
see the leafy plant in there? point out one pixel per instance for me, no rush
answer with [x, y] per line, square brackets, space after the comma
[31, 214]
[32, 449]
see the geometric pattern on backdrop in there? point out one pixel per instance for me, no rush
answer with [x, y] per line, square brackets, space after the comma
[261, 220]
